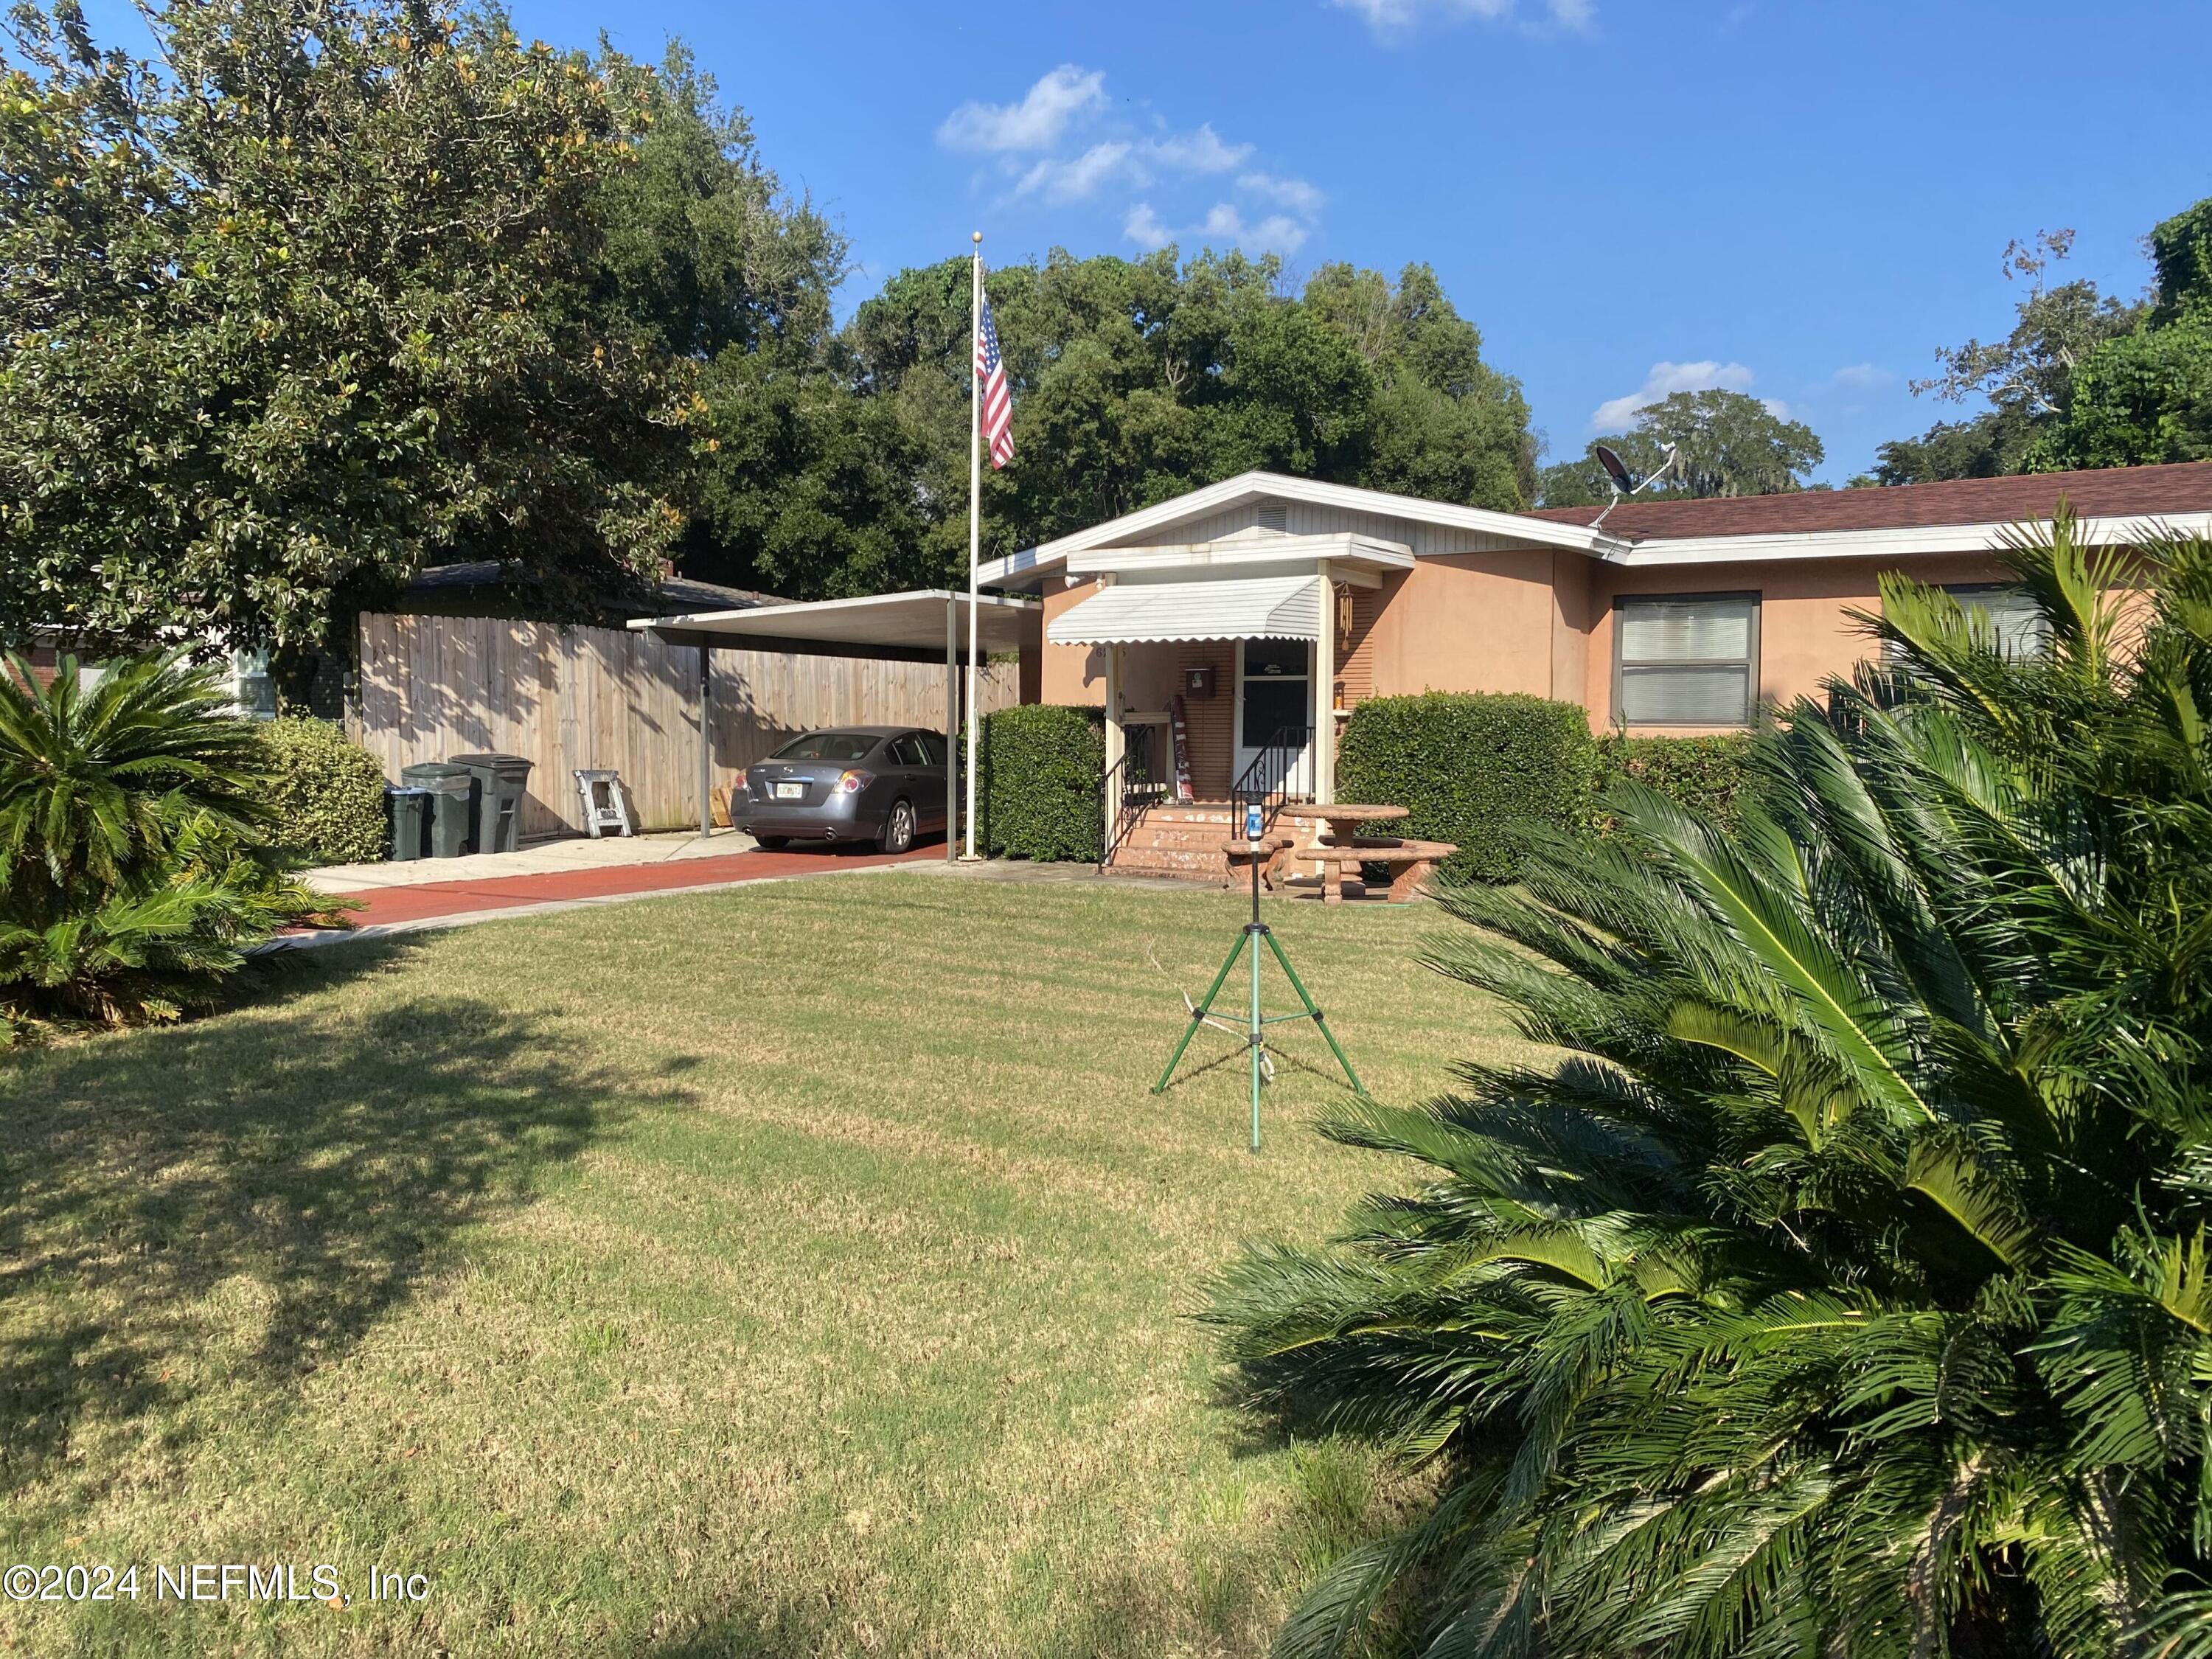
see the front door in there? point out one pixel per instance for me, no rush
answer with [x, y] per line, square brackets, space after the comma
[1274, 694]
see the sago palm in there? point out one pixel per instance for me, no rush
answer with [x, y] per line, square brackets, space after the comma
[131, 870]
[1840, 1284]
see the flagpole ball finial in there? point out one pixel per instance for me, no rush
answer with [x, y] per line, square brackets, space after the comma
[975, 235]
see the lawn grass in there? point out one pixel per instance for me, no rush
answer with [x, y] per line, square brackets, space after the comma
[794, 1270]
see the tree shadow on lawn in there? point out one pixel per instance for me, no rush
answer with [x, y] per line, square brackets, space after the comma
[316, 1160]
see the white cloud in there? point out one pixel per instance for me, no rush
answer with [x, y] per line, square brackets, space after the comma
[1293, 193]
[1863, 377]
[1393, 19]
[1035, 123]
[1143, 226]
[1198, 152]
[1666, 378]
[1076, 177]
[1277, 234]
[1223, 227]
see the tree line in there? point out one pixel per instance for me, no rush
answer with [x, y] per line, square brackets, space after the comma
[332, 290]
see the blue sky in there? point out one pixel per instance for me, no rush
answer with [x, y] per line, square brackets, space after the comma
[1798, 200]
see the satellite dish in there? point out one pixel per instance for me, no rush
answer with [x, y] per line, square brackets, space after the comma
[1613, 465]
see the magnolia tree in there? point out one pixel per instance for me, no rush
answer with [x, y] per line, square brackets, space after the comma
[308, 305]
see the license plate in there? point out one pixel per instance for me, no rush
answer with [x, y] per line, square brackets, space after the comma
[790, 792]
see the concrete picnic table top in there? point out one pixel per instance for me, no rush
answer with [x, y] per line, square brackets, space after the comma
[1340, 812]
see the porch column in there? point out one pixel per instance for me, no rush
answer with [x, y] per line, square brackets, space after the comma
[1324, 694]
[1116, 738]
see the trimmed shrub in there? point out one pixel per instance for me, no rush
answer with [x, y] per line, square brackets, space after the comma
[1471, 768]
[1709, 776]
[328, 792]
[1041, 775]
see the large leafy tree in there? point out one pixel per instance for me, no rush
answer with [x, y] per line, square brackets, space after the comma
[2025, 379]
[1835, 1280]
[1727, 444]
[2145, 396]
[1134, 380]
[315, 302]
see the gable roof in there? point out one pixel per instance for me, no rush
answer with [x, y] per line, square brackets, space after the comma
[1958, 515]
[1256, 486]
[2131, 492]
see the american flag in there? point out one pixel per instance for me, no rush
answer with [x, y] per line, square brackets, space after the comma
[997, 401]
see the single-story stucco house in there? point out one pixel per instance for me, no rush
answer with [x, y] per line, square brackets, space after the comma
[1270, 606]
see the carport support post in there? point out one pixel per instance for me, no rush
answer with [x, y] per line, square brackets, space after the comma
[706, 742]
[952, 814]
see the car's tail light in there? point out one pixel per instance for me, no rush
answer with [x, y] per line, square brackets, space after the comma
[854, 782]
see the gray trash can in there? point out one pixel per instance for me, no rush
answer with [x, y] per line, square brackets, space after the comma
[451, 789]
[502, 781]
[410, 820]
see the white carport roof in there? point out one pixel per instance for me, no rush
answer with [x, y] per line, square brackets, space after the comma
[930, 624]
[904, 627]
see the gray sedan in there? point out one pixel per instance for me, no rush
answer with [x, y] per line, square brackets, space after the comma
[883, 784]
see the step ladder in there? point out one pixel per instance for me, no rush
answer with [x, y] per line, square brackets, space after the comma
[604, 809]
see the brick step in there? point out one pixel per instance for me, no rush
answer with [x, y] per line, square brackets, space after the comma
[1194, 836]
[1197, 864]
[1169, 871]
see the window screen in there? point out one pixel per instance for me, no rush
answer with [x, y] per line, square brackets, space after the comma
[1691, 660]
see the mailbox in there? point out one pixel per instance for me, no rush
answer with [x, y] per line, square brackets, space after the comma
[1198, 681]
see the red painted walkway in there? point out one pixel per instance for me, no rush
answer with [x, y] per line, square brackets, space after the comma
[434, 899]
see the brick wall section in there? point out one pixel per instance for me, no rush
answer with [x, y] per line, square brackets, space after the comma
[43, 658]
[1355, 670]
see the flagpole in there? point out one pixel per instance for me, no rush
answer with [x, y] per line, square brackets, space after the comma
[975, 514]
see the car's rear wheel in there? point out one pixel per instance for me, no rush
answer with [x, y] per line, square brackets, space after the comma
[772, 843]
[898, 829]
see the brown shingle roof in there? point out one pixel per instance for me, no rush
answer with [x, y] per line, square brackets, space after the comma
[2113, 492]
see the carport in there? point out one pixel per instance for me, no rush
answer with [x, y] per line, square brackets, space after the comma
[927, 625]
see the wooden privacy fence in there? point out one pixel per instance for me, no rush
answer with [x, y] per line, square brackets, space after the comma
[562, 698]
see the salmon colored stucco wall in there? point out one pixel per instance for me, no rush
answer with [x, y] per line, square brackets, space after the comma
[1072, 673]
[1467, 622]
[1804, 633]
[1538, 622]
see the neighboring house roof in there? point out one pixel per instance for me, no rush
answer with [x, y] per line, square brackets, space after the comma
[676, 596]
[2185, 488]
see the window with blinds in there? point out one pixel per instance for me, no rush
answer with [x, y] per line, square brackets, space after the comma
[2022, 629]
[1691, 660]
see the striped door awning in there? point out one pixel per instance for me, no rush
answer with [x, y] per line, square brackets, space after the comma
[1252, 608]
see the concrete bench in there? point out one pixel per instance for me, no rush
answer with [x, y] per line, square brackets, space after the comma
[1414, 862]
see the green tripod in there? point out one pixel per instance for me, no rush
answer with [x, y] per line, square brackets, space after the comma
[1255, 1033]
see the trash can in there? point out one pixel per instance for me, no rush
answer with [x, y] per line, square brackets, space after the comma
[501, 782]
[450, 789]
[410, 820]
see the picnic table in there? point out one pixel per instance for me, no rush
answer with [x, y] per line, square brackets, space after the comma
[1333, 846]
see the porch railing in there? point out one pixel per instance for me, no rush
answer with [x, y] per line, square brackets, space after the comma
[1268, 776]
[1137, 780]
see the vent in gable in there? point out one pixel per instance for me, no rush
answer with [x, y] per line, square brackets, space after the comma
[1274, 515]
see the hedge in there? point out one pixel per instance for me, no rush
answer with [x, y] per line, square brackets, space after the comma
[1471, 768]
[328, 792]
[1707, 775]
[1041, 775]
